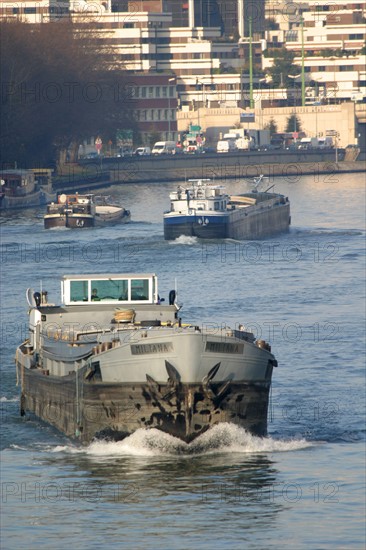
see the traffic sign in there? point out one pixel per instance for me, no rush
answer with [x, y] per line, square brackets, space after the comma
[98, 144]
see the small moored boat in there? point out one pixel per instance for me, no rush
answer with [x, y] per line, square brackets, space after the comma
[25, 188]
[80, 211]
[206, 211]
[112, 358]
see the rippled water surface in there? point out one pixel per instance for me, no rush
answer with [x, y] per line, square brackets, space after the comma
[304, 485]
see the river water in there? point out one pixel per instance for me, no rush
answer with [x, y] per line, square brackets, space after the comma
[301, 487]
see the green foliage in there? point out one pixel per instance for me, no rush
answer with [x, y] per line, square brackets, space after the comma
[282, 67]
[293, 124]
[270, 24]
[153, 137]
[271, 126]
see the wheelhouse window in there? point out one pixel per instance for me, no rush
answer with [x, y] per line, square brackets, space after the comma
[139, 289]
[79, 291]
[109, 290]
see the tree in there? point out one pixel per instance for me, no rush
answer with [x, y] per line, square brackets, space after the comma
[153, 137]
[293, 124]
[56, 90]
[271, 126]
[282, 67]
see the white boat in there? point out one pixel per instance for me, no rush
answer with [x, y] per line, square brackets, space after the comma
[112, 358]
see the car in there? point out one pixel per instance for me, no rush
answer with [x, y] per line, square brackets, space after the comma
[124, 152]
[142, 151]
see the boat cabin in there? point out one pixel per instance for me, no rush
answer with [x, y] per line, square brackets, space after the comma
[199, 196]
[17, 183]
[109, 289]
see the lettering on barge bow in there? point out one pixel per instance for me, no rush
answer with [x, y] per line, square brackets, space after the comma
[141, 349]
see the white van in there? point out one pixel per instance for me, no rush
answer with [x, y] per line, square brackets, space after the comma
[164, 148]
[226, 146]
[325, 142]
[142, 151]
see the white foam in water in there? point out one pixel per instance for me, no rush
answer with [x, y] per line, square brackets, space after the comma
[224, 437]
[8, 400]
[184, 239]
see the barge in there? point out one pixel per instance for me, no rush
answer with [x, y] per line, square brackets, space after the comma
[82, 211]
[113, 358]
[21, 188]
[206, 211]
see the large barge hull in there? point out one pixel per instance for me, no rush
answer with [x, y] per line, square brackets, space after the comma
[190, 226]
[87, 410]
[236, 225]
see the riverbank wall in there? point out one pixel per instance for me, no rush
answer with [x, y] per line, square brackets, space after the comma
[222, 169]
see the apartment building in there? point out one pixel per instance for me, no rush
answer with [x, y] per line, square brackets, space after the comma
[333, 36]
[204, 45]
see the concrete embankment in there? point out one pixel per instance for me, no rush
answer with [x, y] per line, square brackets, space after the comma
[222, 168]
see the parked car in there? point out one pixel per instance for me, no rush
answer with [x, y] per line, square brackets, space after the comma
[208, 150]
[125, 152]
[142, 151]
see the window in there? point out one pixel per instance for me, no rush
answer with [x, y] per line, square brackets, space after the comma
[157, 91]
[109, 290]
[139, 289]
[151, 91]
[143, 91]
[165, 91]
[99, 290]
[78, 291]
[171, 91]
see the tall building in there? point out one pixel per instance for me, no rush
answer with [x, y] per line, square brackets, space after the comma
[232, 16]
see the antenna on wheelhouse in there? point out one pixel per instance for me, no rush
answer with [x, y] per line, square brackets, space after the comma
[257, 181]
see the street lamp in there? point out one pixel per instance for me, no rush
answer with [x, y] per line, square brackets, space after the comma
[294, 77]
[200, 86]
[169, 110]
[316, 104]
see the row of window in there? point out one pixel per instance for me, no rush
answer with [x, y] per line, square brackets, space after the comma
[155, 114]
[152, 92]
[34, 10]
[107, 290]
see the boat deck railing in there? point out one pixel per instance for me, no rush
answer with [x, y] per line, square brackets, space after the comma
[113, 332]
